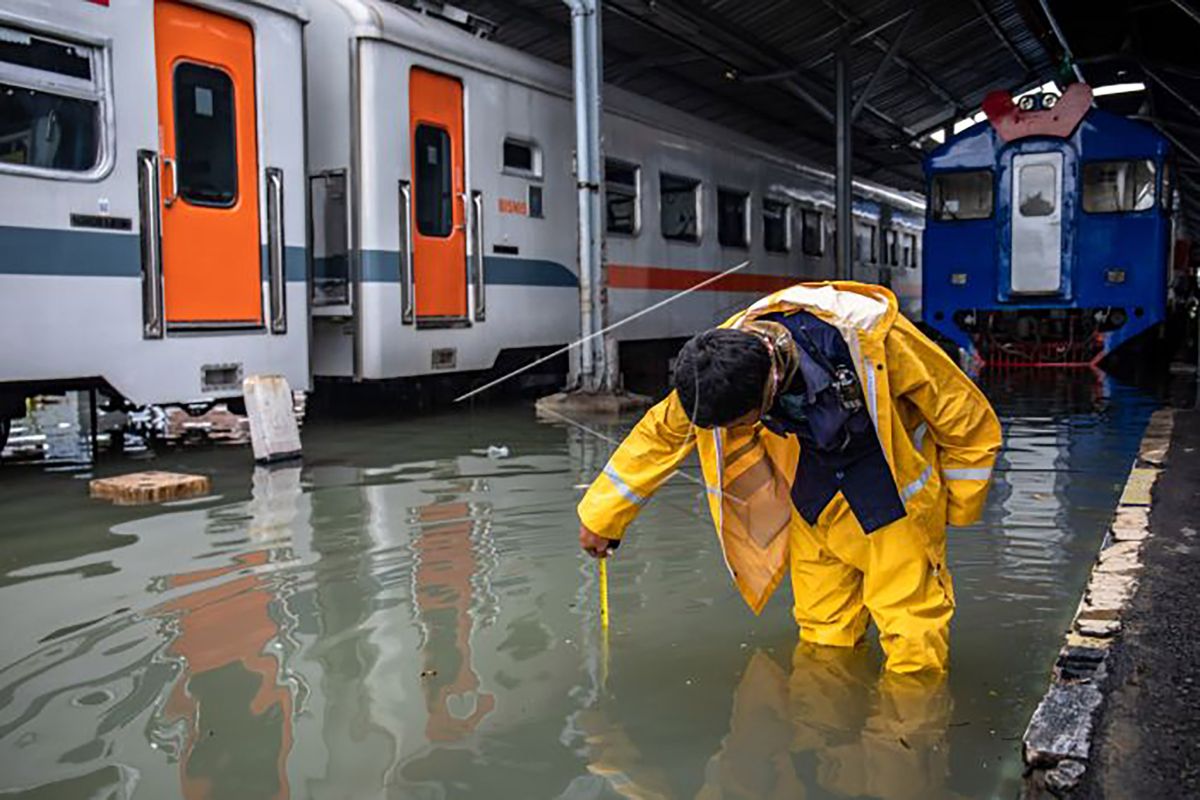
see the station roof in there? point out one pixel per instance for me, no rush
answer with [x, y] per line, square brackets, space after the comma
[1119, 41]
[766, 67]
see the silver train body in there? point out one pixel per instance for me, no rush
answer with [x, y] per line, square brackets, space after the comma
[371, 65]
[91, 256]
[405, 206]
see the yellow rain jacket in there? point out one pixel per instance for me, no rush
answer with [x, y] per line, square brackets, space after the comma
[940, 437]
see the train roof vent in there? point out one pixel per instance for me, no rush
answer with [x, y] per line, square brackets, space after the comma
[468, 21]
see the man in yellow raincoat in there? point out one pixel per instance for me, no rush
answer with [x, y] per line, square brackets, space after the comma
[834, 438]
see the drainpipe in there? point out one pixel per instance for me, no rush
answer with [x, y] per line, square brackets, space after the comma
[595, 373]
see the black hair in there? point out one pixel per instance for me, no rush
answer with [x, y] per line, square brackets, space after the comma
[720, 375]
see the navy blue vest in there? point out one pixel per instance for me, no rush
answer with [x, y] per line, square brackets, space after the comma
[854, 463]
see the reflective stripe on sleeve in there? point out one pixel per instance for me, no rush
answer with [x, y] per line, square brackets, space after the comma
[918, 436]
[916, 485]
[968, 473]
[622, 487]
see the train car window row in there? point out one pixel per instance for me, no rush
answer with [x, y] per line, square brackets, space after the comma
[776, 216]
[522, 157]
[51, 101]
[679, 207]
[962, 195]
[1111, 187]
[733, 208]
[621, 206]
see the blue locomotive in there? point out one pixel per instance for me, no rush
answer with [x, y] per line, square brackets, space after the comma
[1049, 234]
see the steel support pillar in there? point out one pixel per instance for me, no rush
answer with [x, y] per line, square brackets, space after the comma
[845, 167]
[595, 369]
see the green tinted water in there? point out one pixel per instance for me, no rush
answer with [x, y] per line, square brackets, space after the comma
[403, 616]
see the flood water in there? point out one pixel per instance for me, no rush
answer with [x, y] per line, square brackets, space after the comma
[404, 616]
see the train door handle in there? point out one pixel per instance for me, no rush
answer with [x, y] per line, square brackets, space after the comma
[169, 163]
[150, 239]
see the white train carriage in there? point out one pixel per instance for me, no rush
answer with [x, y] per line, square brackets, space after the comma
[152, 200]
[444, 211]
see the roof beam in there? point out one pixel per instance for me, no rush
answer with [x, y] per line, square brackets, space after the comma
[1187, 9]
[888, 58]
[904, 63]
[715, 26]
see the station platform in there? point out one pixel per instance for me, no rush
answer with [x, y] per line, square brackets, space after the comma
[1146, 735]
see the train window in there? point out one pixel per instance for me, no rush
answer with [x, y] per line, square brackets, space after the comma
[777, 218]
[962, 195]
[866, 245]
[205, 136]
[732, 207]
[679, 207]
[889, 248]
[1037, 186]
[435, 190]
[51, 100]
[621, 196]
[812, 242]
[1118, 186]
[908, 250]
[522, 157]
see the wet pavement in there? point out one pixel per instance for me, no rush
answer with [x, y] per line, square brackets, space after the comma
[404, 616]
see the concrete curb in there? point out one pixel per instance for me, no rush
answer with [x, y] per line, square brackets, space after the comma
[1059, 737]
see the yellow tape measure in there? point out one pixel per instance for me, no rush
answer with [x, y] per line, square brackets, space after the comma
[604, 592]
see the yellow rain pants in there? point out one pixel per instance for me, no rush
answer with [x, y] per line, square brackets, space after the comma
[940, 437]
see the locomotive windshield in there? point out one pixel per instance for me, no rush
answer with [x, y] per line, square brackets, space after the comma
[1118, 186]
[962, 195]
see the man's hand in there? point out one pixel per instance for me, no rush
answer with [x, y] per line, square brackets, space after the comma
[595, 545]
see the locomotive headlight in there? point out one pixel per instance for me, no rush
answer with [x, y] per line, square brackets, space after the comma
[1114, 276]
[958, 279]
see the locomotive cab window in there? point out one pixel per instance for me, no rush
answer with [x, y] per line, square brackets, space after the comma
[732, 208]
[776, 216]
[435, 190]
[962, 195]
[51, 102]
[679, 207]
[205, 136]
[811, 240]
[1037, 186]
[1111, 187]
[522, 158]
[621, 180]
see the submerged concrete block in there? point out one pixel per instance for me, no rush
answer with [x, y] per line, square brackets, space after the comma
[1122, 557]
[1091, 626]
[1061, 726]
[274, 434]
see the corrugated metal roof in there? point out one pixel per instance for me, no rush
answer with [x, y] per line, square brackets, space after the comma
[748, 64]
[1153, 43]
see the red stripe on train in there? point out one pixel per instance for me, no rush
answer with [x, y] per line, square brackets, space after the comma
[628, 276]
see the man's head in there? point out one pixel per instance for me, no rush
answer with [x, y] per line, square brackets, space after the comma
[720, 375]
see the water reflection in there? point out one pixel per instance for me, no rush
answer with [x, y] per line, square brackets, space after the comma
[421, 626]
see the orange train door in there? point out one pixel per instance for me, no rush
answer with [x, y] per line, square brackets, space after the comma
[209, 147]
[439, 207]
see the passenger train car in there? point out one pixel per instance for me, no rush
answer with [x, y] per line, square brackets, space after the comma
[1049, 233]
[152, 198]
[173, 219]
[444, 204]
